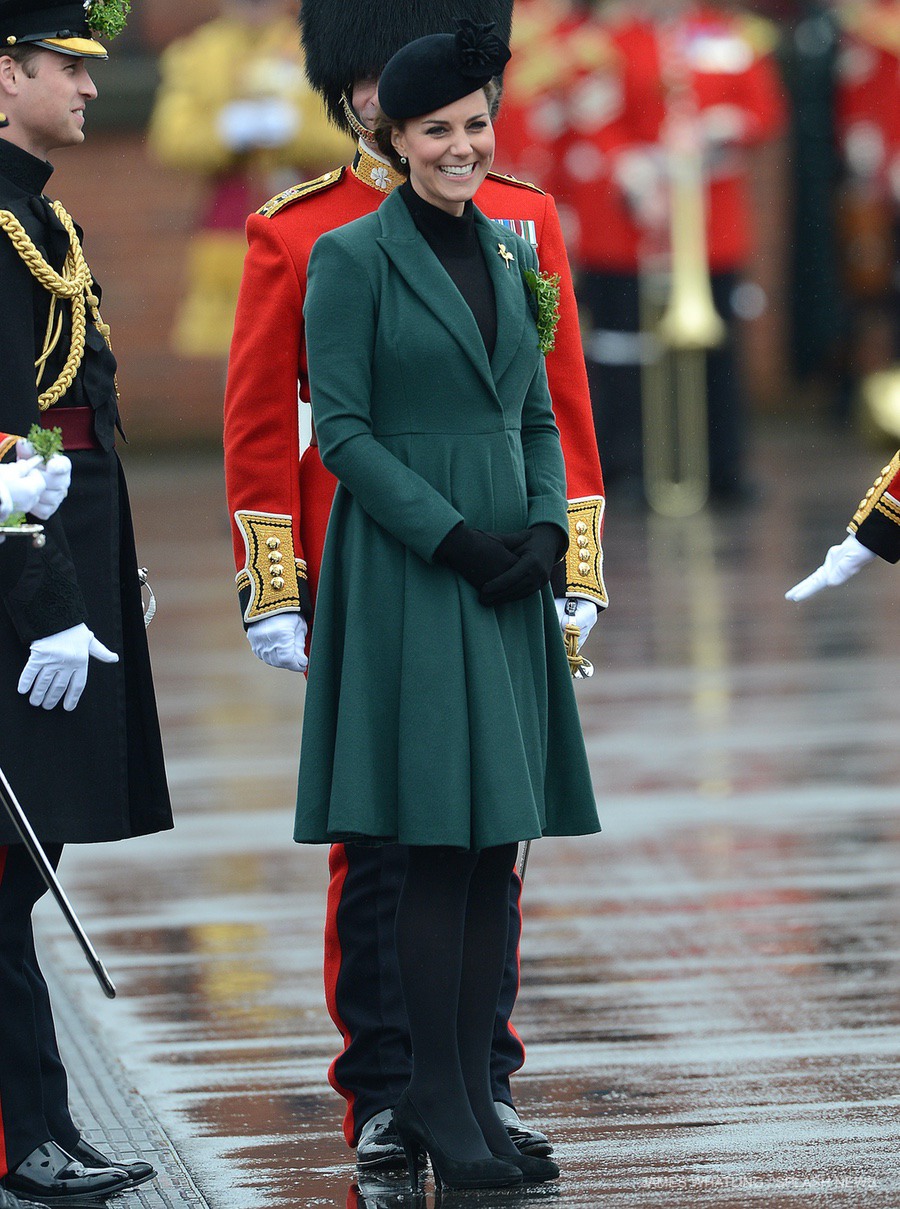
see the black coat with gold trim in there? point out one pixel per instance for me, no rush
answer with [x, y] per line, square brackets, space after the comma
[96, 773]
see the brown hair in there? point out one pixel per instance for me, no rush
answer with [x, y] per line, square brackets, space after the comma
[385, 126]
[25, 54]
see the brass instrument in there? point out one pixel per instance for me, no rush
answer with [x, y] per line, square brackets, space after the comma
[677, 309]
[879, 406]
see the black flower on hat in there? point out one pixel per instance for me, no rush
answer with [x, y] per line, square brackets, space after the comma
[479, 50]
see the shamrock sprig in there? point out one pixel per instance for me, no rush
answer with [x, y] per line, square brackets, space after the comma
[545, 288]
[45, 441]
[107, 17]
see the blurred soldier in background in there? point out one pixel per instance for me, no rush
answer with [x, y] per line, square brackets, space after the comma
[554, 45]
[868, 127]
[234, 106]
[615, 175]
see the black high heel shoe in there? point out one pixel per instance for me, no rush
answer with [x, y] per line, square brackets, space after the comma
[534, 1170]
[448, 1173]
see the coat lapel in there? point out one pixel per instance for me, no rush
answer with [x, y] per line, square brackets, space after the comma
[509, 289]
[426, 277]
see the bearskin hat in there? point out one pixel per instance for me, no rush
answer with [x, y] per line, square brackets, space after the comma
[346, 40]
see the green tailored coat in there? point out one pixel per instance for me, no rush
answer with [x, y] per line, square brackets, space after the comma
[429, 718]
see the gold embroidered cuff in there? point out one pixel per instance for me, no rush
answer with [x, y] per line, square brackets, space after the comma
[584, 560]
[7, 444]
[272, 573]
[876, 499]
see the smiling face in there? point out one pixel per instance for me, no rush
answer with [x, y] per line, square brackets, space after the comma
[45, 100]
[450, 151]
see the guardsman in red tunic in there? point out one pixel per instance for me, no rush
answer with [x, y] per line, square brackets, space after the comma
[613, 176]
[867, 111]
[280, 503]
[554, 44]
[874, 531]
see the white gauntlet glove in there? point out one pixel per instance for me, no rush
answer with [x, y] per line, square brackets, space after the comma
[21, 485]
[279, 641]
[58, 665]
[268, 122]
[585, 616]
[58, 478]
[841, 563]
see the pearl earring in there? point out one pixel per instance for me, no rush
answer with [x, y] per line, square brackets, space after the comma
[402, 159]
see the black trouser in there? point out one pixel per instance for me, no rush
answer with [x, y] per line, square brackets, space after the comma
[614, 374]
[34, 1099]
[362, 984]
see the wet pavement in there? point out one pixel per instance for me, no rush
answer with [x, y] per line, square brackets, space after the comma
[711, 989]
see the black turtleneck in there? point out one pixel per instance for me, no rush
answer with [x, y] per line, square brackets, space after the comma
[455, 243]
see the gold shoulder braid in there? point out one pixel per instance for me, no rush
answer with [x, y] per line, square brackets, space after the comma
[75, 285]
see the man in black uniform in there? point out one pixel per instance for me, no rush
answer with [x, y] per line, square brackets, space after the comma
[92, 770]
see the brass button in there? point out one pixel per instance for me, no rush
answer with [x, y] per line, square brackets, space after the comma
[274, 556]
[584, 568]
[276, 570]
[273, 542]
[581, 527]
[278, 583]
[583, 542]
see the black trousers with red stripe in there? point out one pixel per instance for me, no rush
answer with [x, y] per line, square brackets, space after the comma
[34, 1098]
[362, 984]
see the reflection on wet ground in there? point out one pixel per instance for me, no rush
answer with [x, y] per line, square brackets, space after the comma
[711, 989]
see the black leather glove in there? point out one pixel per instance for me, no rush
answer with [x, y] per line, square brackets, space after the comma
[537, 551]
[477, 556]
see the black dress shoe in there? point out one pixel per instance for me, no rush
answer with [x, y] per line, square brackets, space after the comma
[50, 1175]
[525, 1139]
[87, 1156]
[379, 1147]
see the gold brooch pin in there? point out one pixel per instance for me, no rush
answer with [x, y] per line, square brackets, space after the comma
[508, 257]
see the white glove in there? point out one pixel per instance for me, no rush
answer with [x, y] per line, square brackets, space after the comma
[841, 563]
[641, 174]
[21, 485]
[244, 125]
[279, 641]
[585, 616]
[58, 477]
[58, 665]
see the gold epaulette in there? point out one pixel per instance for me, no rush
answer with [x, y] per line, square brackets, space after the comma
[874, 499]
[584, 559]
[271, 572]
[7, 443]
[296, 192]
[512, 180]
[761, 35]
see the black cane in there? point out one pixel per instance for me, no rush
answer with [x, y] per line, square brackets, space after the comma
[39, 856]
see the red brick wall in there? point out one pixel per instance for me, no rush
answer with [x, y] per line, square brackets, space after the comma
[138, 218]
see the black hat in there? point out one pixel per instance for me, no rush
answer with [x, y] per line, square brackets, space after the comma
[349, 40]
[436, 71]
[66, 26]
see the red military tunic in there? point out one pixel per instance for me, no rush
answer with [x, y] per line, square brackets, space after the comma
[867, 98]
[735, 87]
[280, 503]
[876, 521]
[553, 45]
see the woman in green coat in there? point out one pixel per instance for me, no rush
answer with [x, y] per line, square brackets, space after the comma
[439, 710]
